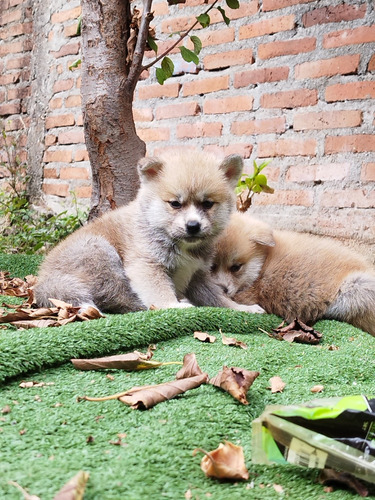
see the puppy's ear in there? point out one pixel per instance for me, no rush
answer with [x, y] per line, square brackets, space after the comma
[232, 167]
[264, 238]
[149, 168]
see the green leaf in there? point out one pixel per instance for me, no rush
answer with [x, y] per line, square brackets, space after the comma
[160, 75]
[188, 55]
[261, 180]
[152, 44]
[79, 27]
[204, 20]
[264, 164]
[167, 66]
[197, 44]
[233, 4]
[75, 64]
[225, 17]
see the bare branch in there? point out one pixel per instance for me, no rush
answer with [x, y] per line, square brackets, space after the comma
[184, 35]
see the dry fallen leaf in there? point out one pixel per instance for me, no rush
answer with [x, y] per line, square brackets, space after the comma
[15, 287]
[75, 488]
[26, 495]
[317, 388]
[296, 331]
[236, 381]
[232, 341]
[204, 337]
[276, 384]
[190, 367]
[226, 462]
[331, 477]
[131, 361]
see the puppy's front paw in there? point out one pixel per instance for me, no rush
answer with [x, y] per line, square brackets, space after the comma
[251, 309]
[182, 305]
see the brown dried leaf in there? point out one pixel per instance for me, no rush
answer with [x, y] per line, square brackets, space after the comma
[145, 397]
[6, 409]
[276, 384]
[190, 367]
[317, 388]
[296, 331]
[75, 488]
[232, 341]
[204, 337]
[235, 381]
[25, 494]
[131, 361]
[331, 477]
[226, 462]
[15, 287]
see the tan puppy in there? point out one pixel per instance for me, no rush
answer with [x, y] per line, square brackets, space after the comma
[154, 251]
[294, 275]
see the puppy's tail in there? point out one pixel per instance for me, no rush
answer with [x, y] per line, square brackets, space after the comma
[355, 302]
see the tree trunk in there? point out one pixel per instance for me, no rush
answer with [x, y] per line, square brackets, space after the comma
[113, 146]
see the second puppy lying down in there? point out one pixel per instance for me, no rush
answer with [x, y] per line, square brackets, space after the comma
[294, 275]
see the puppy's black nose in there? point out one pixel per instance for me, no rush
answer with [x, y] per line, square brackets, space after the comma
[193, 227]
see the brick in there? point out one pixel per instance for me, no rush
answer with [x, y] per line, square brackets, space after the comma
[205, 86]
[18, 93]
[286, 197]
[360, 143]
[55, 103]
[143, 114]
[73, 101]
[199, 129]
[66, 15]
[289, 99]
[83, 191]
[16, 30]
[72, 137]
[371, 64]
[327, 119]
[59, 121]
[341, 65]
[66, 50]
[348, 198]
[364, 34]
[11, 108]
[217, 37]
[368, 172]
[74, 173]
[61, 155]
[246, 9]
[267, 27]
[176, 110]
[350, 91]
[334, 14]
[79, 82]
[287, 47]
[18, 62]
[226, 59]
[320, 172]
[287, 147]
[254, 127]
[173, 24]
[50, 139]
[50, 173]
[153, 134]
[243, 149]
[61, 190]
[11, 48]
[260, 75]
[280, 4]
[10, 17]
[228, 104]
[71, 30]
[62, 85]
[81, 155]
[157, 91]
[79, 120]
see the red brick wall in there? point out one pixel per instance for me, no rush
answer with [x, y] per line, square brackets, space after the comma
[289, 80]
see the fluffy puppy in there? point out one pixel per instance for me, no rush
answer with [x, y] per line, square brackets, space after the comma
[154, 251]
[293, 274]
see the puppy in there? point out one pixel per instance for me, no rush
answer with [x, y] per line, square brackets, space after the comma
[294, 275]
[154, 251]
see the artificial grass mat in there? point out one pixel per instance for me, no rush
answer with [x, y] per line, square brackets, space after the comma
[48, 436]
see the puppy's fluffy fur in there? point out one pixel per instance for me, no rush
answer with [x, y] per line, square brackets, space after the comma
[155, 250]
[294, 275]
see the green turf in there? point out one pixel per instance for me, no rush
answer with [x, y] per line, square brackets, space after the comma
[156, 461]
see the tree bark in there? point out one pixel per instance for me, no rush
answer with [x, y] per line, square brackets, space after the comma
[107, 96]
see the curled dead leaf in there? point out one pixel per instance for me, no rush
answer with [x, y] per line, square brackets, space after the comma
[204, 337]
[232, 341]
[190, 367]
[226, 462]
[131, 361]
[296, 331]
[235, 381]
[276, 384]
[317, 388]
[75, 488]
[25, 494]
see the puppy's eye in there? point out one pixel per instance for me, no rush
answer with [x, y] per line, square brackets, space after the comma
[175, 204]
[235, 268]
[214, 268]
[207, 204]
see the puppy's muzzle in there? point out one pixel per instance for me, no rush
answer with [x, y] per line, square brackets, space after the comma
[193, 227]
